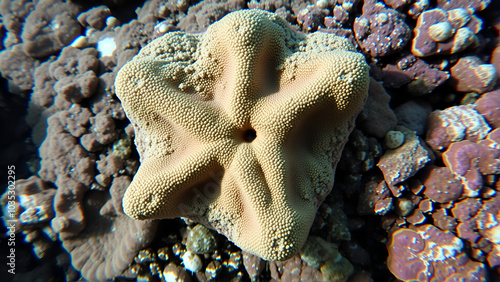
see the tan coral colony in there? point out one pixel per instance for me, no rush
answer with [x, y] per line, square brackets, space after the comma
[241, 127]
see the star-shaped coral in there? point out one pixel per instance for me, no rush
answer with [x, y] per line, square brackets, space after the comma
[241, 128]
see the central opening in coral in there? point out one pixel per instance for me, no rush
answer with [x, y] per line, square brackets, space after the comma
[249, 135]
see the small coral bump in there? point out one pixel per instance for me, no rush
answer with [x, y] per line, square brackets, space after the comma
[192, 261]
[441, 31]
[59, 224]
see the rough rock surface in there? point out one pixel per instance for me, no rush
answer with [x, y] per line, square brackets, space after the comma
[414, 74]
[401, 163]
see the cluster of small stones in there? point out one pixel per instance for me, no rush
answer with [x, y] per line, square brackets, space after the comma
[195, 252]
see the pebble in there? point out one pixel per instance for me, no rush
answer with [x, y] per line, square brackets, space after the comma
[393, 139]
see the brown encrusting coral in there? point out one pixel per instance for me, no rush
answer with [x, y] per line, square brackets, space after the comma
[49, 27]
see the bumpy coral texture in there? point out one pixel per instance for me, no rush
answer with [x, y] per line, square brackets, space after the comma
[241, 127]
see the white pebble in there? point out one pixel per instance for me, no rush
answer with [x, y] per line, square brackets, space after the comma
[393, 139]
[192, 261]
[322, 4]
[106, 46]
[80, 42]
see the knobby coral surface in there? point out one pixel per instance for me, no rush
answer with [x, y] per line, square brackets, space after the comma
[425, 253]
[241, 127]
